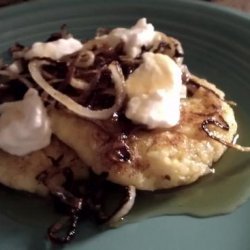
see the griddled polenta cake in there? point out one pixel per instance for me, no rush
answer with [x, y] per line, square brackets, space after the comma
[29, 173]
[153, 159]
[132, 109]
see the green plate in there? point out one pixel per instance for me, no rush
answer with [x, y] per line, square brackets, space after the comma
[216, 42]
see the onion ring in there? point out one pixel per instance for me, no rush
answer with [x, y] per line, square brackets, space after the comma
[116, 74]
[19, 77]
[206, 85]
[86, 58]
[125, 207]
[79, 83]
[56, 228]
[224, 126]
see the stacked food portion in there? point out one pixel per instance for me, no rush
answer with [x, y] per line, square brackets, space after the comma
[120, 111]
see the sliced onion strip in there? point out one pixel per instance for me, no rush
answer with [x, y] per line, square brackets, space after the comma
[209, 86]
[55, 230]
[212, 121]
[126, 206]
[79, 83]
[35, 71]
[13, 75]
[86, 58]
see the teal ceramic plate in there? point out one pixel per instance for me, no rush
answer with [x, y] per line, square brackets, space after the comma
[216, 42]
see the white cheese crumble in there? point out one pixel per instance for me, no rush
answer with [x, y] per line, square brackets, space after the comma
[157, 110]
[141, 34]
[55, 49]
[24, 125]
[154, 91]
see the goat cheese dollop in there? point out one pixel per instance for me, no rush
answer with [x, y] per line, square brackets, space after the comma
[24, 125]
[154, 92]
[55, 49]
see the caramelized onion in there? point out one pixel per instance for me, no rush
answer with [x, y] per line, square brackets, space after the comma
[76, 203]
[169, 46]
[211, 87]
[35, 71]
[126, 205]
[55, 229]
[96, 43]
[225, 126]
[67, 198]
[85, 59]
[8, 73]
[79, 83]
[13, 75]
[232, 103]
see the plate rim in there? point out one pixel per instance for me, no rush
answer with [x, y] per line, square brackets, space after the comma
[241, 15]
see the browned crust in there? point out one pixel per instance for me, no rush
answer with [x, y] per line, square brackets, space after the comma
[103, 137]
